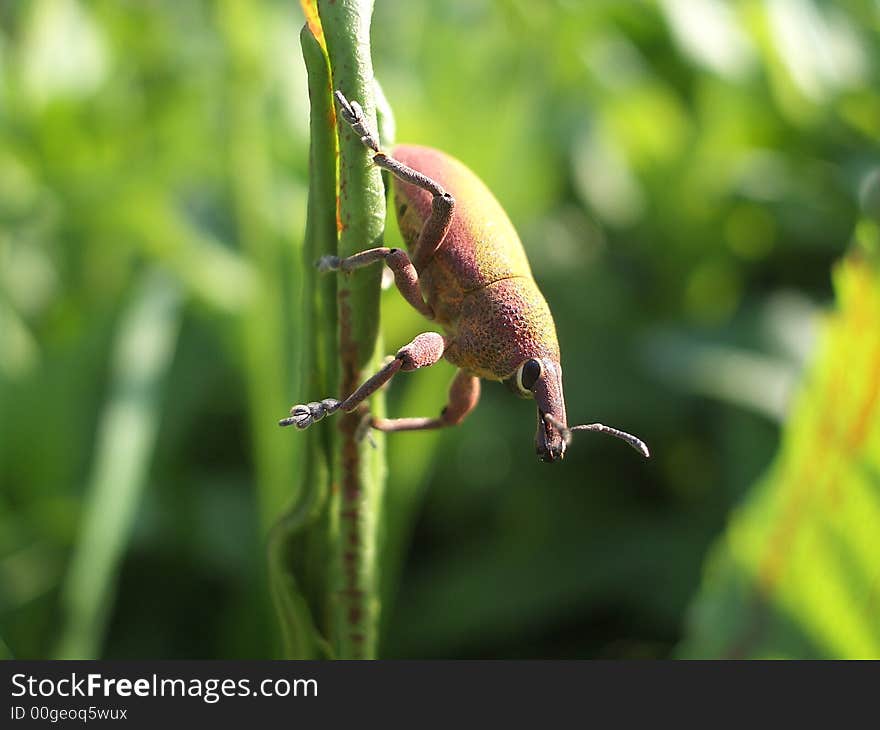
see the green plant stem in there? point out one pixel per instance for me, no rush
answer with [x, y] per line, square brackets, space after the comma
[323, 553]
[299, 543]
[354, 590]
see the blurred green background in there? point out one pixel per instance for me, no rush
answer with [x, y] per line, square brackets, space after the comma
[684, 175]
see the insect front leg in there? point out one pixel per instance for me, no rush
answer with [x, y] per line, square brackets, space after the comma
[442, 203]
[405, 276]
[426, 349]
[464, 394]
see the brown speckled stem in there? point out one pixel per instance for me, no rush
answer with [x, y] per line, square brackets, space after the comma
[356, 505]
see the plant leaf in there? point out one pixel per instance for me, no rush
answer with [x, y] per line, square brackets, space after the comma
[796, 574]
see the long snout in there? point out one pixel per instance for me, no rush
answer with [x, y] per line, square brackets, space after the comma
[549, 441]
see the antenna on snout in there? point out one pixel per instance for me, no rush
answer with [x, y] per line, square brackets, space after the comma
[633, 441]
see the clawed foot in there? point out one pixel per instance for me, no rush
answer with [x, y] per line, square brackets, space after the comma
[365, 430]
[352, 113]
[304, 415]
[326, 264]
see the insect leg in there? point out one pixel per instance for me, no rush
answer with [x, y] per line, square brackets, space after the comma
[405, 275]
[464, 394]
[426, 349]
[442, 204]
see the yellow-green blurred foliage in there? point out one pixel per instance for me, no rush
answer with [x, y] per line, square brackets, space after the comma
[684, 174]
[797, 572]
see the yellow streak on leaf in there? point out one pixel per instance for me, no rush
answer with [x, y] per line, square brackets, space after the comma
[310, 10]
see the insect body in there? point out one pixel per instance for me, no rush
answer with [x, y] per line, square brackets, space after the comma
[468, 272]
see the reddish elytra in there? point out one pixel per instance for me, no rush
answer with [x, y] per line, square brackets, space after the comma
[467, 271]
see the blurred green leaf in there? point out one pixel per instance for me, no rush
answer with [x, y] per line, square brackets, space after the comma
[144, 348]
[796, 574]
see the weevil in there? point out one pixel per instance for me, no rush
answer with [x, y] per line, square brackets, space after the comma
[467, 271]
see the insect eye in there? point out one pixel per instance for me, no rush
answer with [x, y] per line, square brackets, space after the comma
[529, 372]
